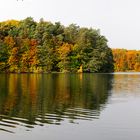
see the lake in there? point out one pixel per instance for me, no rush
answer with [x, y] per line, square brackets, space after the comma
[70, 106]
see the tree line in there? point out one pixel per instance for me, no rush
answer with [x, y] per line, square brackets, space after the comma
[126, 60]
[30, 46]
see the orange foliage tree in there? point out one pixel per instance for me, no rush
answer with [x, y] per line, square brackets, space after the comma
[126, 60]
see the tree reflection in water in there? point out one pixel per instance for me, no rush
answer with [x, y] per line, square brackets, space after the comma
[37, 99]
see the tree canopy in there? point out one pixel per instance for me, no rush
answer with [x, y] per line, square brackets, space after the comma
[126, 60]
[30, 46]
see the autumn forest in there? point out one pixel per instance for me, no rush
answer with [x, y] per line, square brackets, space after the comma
[126, 60]
[30, 46]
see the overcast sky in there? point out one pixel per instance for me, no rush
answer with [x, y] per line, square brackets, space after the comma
[118, 20]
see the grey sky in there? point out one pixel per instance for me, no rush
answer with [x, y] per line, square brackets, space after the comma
[118, 20]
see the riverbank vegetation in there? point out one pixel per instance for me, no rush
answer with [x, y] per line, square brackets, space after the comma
[126, 60]
[30, 46]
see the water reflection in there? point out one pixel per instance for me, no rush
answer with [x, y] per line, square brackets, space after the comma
[36, 99]
[126, 84]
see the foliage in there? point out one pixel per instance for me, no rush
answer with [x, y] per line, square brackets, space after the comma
[126, 60]
[29, 46]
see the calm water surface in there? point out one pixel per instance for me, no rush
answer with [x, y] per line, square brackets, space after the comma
[70, 106]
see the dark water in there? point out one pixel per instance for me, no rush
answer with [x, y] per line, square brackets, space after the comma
[70, 106]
